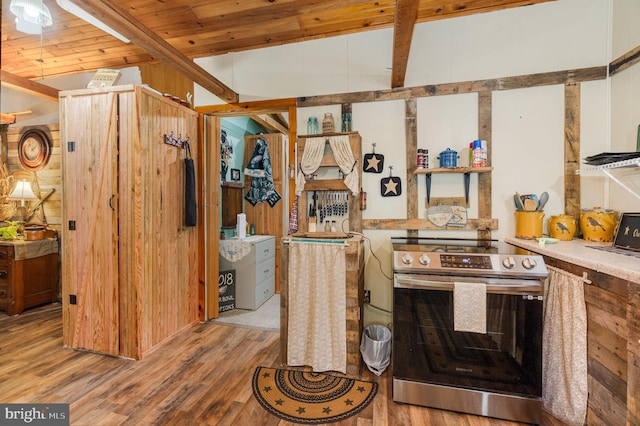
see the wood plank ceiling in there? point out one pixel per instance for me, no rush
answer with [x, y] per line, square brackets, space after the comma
[177, 31]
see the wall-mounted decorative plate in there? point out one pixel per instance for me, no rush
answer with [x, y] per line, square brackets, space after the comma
[373, 163]
[34, 149]
[390, 186]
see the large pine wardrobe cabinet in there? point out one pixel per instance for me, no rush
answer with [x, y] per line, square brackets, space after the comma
[129, 264]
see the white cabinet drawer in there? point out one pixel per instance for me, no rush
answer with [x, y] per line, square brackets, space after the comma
[265, 290]
[265, 270]
[265, 249]
[255, 286]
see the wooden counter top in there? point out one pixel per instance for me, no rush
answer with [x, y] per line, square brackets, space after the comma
[578, 252]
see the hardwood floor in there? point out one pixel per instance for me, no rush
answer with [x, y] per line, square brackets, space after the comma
[200, 377]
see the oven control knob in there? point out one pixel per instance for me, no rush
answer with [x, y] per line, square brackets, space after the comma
[407, 259]
[529, 263]
[424, 260]
[509, 262]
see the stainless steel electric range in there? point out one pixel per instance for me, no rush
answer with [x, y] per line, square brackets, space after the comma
[494, 374]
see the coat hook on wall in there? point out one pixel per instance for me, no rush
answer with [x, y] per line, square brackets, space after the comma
[178, 142]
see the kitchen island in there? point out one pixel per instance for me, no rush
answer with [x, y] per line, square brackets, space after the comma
[612, 296]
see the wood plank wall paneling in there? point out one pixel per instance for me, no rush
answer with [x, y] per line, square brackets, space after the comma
[136, 206]
[89, 264]
[166, 79]
[169, 290]
[49, 178]
[612, 364]
[633, 357]
[211, 205]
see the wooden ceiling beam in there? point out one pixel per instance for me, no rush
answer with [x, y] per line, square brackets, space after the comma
[405, 19]
[270, 123]
[30, 86]
[7, 118]
[118, 18]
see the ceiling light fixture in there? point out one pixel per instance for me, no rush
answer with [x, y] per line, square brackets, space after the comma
[85, 16]
[31, 15]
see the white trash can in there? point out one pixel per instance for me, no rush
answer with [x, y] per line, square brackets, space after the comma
[375, 348]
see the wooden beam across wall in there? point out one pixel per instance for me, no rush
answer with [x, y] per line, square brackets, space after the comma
[28, 86]
[268, 122]
[624, 61]
[503, 83]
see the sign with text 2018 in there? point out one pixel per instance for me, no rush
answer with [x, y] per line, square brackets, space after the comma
[226, 290]
[34, 414]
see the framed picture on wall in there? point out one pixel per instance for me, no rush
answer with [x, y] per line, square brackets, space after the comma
[235, 174]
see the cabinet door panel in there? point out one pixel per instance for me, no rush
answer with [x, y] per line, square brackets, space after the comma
[89, 236]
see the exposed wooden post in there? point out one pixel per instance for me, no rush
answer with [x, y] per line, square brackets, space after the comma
[571, 149]
[411, 131]
[484, 179]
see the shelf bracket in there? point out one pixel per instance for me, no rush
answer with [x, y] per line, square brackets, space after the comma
[467, 182]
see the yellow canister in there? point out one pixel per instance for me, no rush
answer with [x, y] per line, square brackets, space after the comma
[598, 224]
[563, 227]
[529, 224]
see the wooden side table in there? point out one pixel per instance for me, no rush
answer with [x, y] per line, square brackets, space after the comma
[28, 274]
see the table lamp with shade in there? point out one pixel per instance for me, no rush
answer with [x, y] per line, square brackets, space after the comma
[22, 192]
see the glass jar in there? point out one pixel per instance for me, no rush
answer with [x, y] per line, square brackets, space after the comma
[313, 128]
[328, 125]
[346, 122]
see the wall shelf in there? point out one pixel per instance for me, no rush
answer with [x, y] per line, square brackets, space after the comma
[466, 171]
[607, 169]
[315, 185]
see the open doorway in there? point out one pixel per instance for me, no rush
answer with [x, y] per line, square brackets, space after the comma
[268, 113]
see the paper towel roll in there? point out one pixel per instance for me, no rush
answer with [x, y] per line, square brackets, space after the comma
[241, 225]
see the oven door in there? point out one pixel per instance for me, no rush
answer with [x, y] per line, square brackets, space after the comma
[507, 359]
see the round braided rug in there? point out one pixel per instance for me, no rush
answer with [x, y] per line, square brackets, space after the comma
[308, 397]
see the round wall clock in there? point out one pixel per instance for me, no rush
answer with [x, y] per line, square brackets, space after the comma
[34, 150]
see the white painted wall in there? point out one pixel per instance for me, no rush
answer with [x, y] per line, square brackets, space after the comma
[528, 132]
[625, 102]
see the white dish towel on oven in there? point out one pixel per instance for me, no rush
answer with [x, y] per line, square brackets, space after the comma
[470, 307]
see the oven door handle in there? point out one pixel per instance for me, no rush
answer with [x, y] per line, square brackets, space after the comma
[510, 287]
